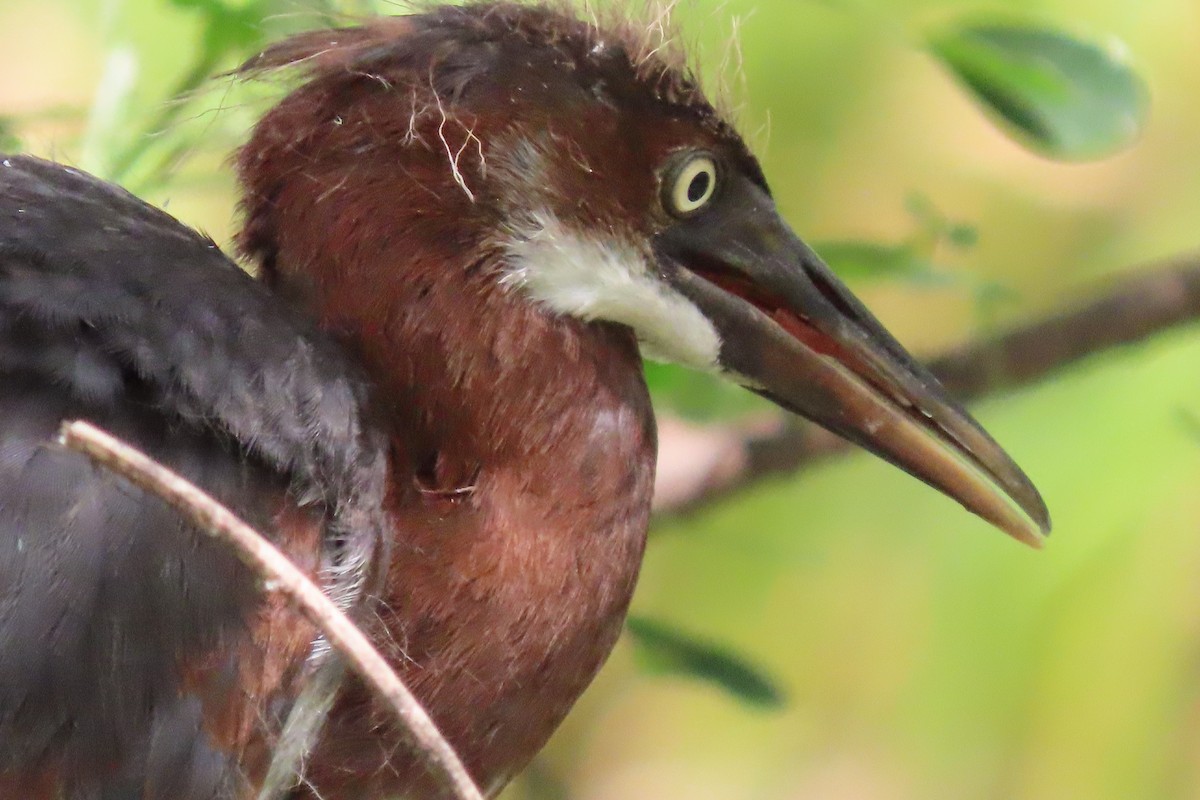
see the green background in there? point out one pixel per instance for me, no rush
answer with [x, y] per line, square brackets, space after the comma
[922, 654]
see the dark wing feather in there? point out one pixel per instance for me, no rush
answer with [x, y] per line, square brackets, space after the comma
[116, 620]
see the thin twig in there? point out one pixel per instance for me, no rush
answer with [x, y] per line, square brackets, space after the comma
[701, 464]
[281, 575]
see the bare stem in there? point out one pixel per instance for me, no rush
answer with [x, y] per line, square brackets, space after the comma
[281, 575]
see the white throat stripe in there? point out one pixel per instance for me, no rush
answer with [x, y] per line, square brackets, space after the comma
[608, 279]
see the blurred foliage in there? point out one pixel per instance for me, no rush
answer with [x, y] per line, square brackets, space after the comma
[698, 396]
[1069, 99]
[666, 650]
[912, 259]
[917, 662]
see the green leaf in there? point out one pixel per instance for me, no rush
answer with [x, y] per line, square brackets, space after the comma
[962, 236]
[228, 26]
[697, 396]
[1064, 98]
[936, 226]
[1190, 422]
[859, 260]
[665, 650]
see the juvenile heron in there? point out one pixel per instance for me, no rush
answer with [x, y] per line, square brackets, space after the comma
[470, 224]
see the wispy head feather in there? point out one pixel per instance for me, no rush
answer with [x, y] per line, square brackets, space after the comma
[635, 43]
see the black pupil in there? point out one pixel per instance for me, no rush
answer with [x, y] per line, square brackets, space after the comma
[698, 187]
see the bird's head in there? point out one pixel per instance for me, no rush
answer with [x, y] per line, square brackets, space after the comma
[584, 165]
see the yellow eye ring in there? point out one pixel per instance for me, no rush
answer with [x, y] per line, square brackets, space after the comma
[692, 185]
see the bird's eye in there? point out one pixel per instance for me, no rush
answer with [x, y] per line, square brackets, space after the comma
[690, 185]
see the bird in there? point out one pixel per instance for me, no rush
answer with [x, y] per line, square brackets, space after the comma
[468, 225]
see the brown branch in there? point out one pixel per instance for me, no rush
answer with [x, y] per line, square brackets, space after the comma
[698, 465]
[280, 574]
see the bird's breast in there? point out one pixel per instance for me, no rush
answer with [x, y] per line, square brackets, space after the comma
[510, 578]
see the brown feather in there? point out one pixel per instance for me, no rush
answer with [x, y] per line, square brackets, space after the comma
[377, 196]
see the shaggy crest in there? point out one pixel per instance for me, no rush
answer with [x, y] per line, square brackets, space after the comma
[628, 49]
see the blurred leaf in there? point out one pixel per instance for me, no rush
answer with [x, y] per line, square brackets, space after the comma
[228, 26]
[962, 236]
[858, 260]
[697, 396]
[991, 299]
[665, 650]
[934, 226]
[230, 32]
[1067, 98]
[1190, 421]
[923, 210]
[233, 30]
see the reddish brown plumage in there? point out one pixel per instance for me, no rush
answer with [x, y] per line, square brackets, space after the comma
[502, 603]
[505, 597]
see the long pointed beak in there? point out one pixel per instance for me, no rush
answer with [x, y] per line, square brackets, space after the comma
[792, 332]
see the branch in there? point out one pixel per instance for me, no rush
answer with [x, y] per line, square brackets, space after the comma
[698, 465]
[280, 574]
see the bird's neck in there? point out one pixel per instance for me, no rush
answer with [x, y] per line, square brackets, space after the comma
[523, 449]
